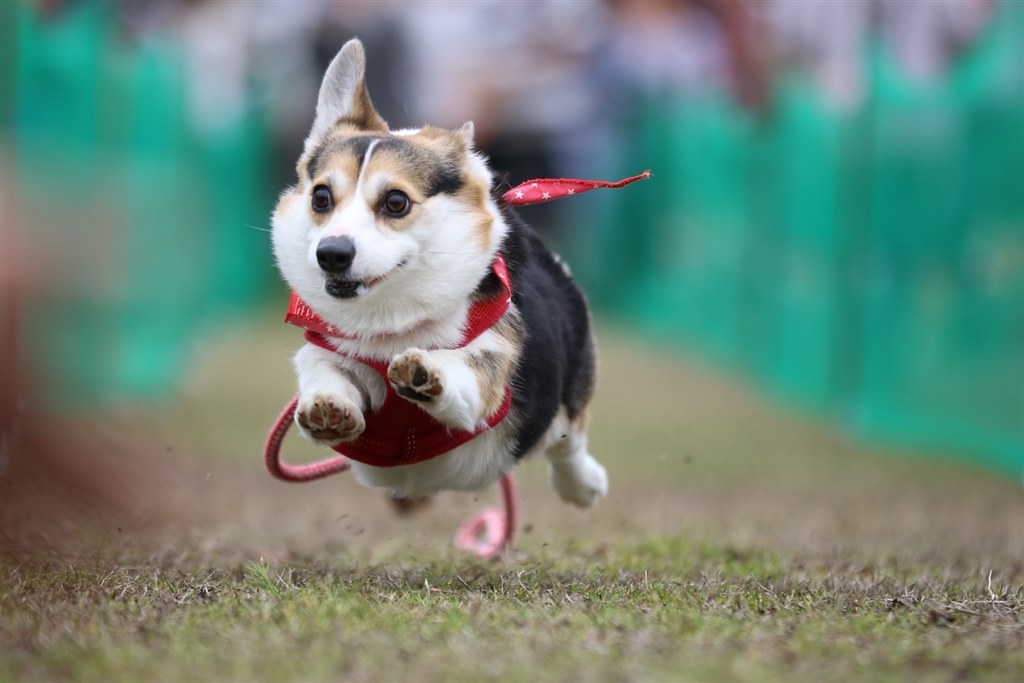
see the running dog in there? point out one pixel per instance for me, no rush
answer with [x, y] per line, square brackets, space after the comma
[445, 342]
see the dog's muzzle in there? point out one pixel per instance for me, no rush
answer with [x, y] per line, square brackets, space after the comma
[335, 256]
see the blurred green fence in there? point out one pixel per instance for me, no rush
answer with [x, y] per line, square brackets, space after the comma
[154, 218]
[866, 265]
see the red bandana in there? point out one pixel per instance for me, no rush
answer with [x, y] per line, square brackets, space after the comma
[546, 189]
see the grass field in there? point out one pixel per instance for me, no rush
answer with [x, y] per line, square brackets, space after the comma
[740, 542]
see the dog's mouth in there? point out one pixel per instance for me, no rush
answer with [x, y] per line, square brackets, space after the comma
[340, 288]
[346, 288]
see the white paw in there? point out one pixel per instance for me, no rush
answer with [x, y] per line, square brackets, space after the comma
[328, 419]
[581, 481]
[415, 377]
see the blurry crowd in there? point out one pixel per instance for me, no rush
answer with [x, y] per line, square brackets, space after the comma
[166, 118]
[545, 81]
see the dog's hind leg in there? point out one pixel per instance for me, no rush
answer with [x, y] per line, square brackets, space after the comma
[575, 475]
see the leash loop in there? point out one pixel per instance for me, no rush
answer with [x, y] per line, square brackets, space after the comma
[487, 534]
[491, 531]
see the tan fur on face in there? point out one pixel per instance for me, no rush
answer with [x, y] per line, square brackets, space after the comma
[430, 162]
[476, 196]
[473, 193]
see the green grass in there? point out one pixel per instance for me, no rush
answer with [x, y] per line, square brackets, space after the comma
[659, 609]
[740, 542]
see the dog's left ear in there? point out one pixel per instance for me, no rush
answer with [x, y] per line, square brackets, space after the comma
[343, 96]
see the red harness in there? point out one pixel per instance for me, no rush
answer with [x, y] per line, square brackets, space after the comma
[400, 432]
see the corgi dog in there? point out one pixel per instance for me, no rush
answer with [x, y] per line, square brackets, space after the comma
[398, 247]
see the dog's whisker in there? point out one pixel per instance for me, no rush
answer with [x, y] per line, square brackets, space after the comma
[256, 227]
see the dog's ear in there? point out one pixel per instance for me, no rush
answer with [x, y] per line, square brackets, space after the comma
[458, 141]
[343, 96]
[465, 134]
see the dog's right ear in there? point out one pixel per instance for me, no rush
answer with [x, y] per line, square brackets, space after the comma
[343, 96]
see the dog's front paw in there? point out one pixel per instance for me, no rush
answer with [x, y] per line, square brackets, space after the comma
[415, 377]
[328, 419]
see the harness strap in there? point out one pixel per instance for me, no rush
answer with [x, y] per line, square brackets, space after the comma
[400, 432]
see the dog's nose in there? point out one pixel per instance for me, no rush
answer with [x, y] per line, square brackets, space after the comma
[335, 254]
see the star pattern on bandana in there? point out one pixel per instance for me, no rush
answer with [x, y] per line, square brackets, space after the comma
[546, 189]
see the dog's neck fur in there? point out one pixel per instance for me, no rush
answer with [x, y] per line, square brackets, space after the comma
[436, 332]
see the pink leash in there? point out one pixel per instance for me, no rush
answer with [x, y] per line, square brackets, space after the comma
[489, 532]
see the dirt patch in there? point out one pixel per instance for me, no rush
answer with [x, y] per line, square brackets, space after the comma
[688, 452]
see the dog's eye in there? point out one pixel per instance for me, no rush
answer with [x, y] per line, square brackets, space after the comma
[322, 199]
[396, 203]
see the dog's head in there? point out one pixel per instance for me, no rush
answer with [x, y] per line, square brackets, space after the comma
[384, 229]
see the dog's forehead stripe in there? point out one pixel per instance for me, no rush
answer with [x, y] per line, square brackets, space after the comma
[363, 163]
[432, 171]
[356, 145]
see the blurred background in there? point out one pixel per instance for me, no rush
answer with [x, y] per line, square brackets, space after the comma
[836, 214]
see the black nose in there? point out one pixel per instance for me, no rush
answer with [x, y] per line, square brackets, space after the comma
[335, 254]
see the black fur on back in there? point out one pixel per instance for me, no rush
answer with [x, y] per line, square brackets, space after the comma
[557, 365]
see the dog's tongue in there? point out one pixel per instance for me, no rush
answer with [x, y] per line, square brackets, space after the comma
[542, 190]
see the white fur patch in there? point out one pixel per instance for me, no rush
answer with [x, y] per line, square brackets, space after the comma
[575, 475]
